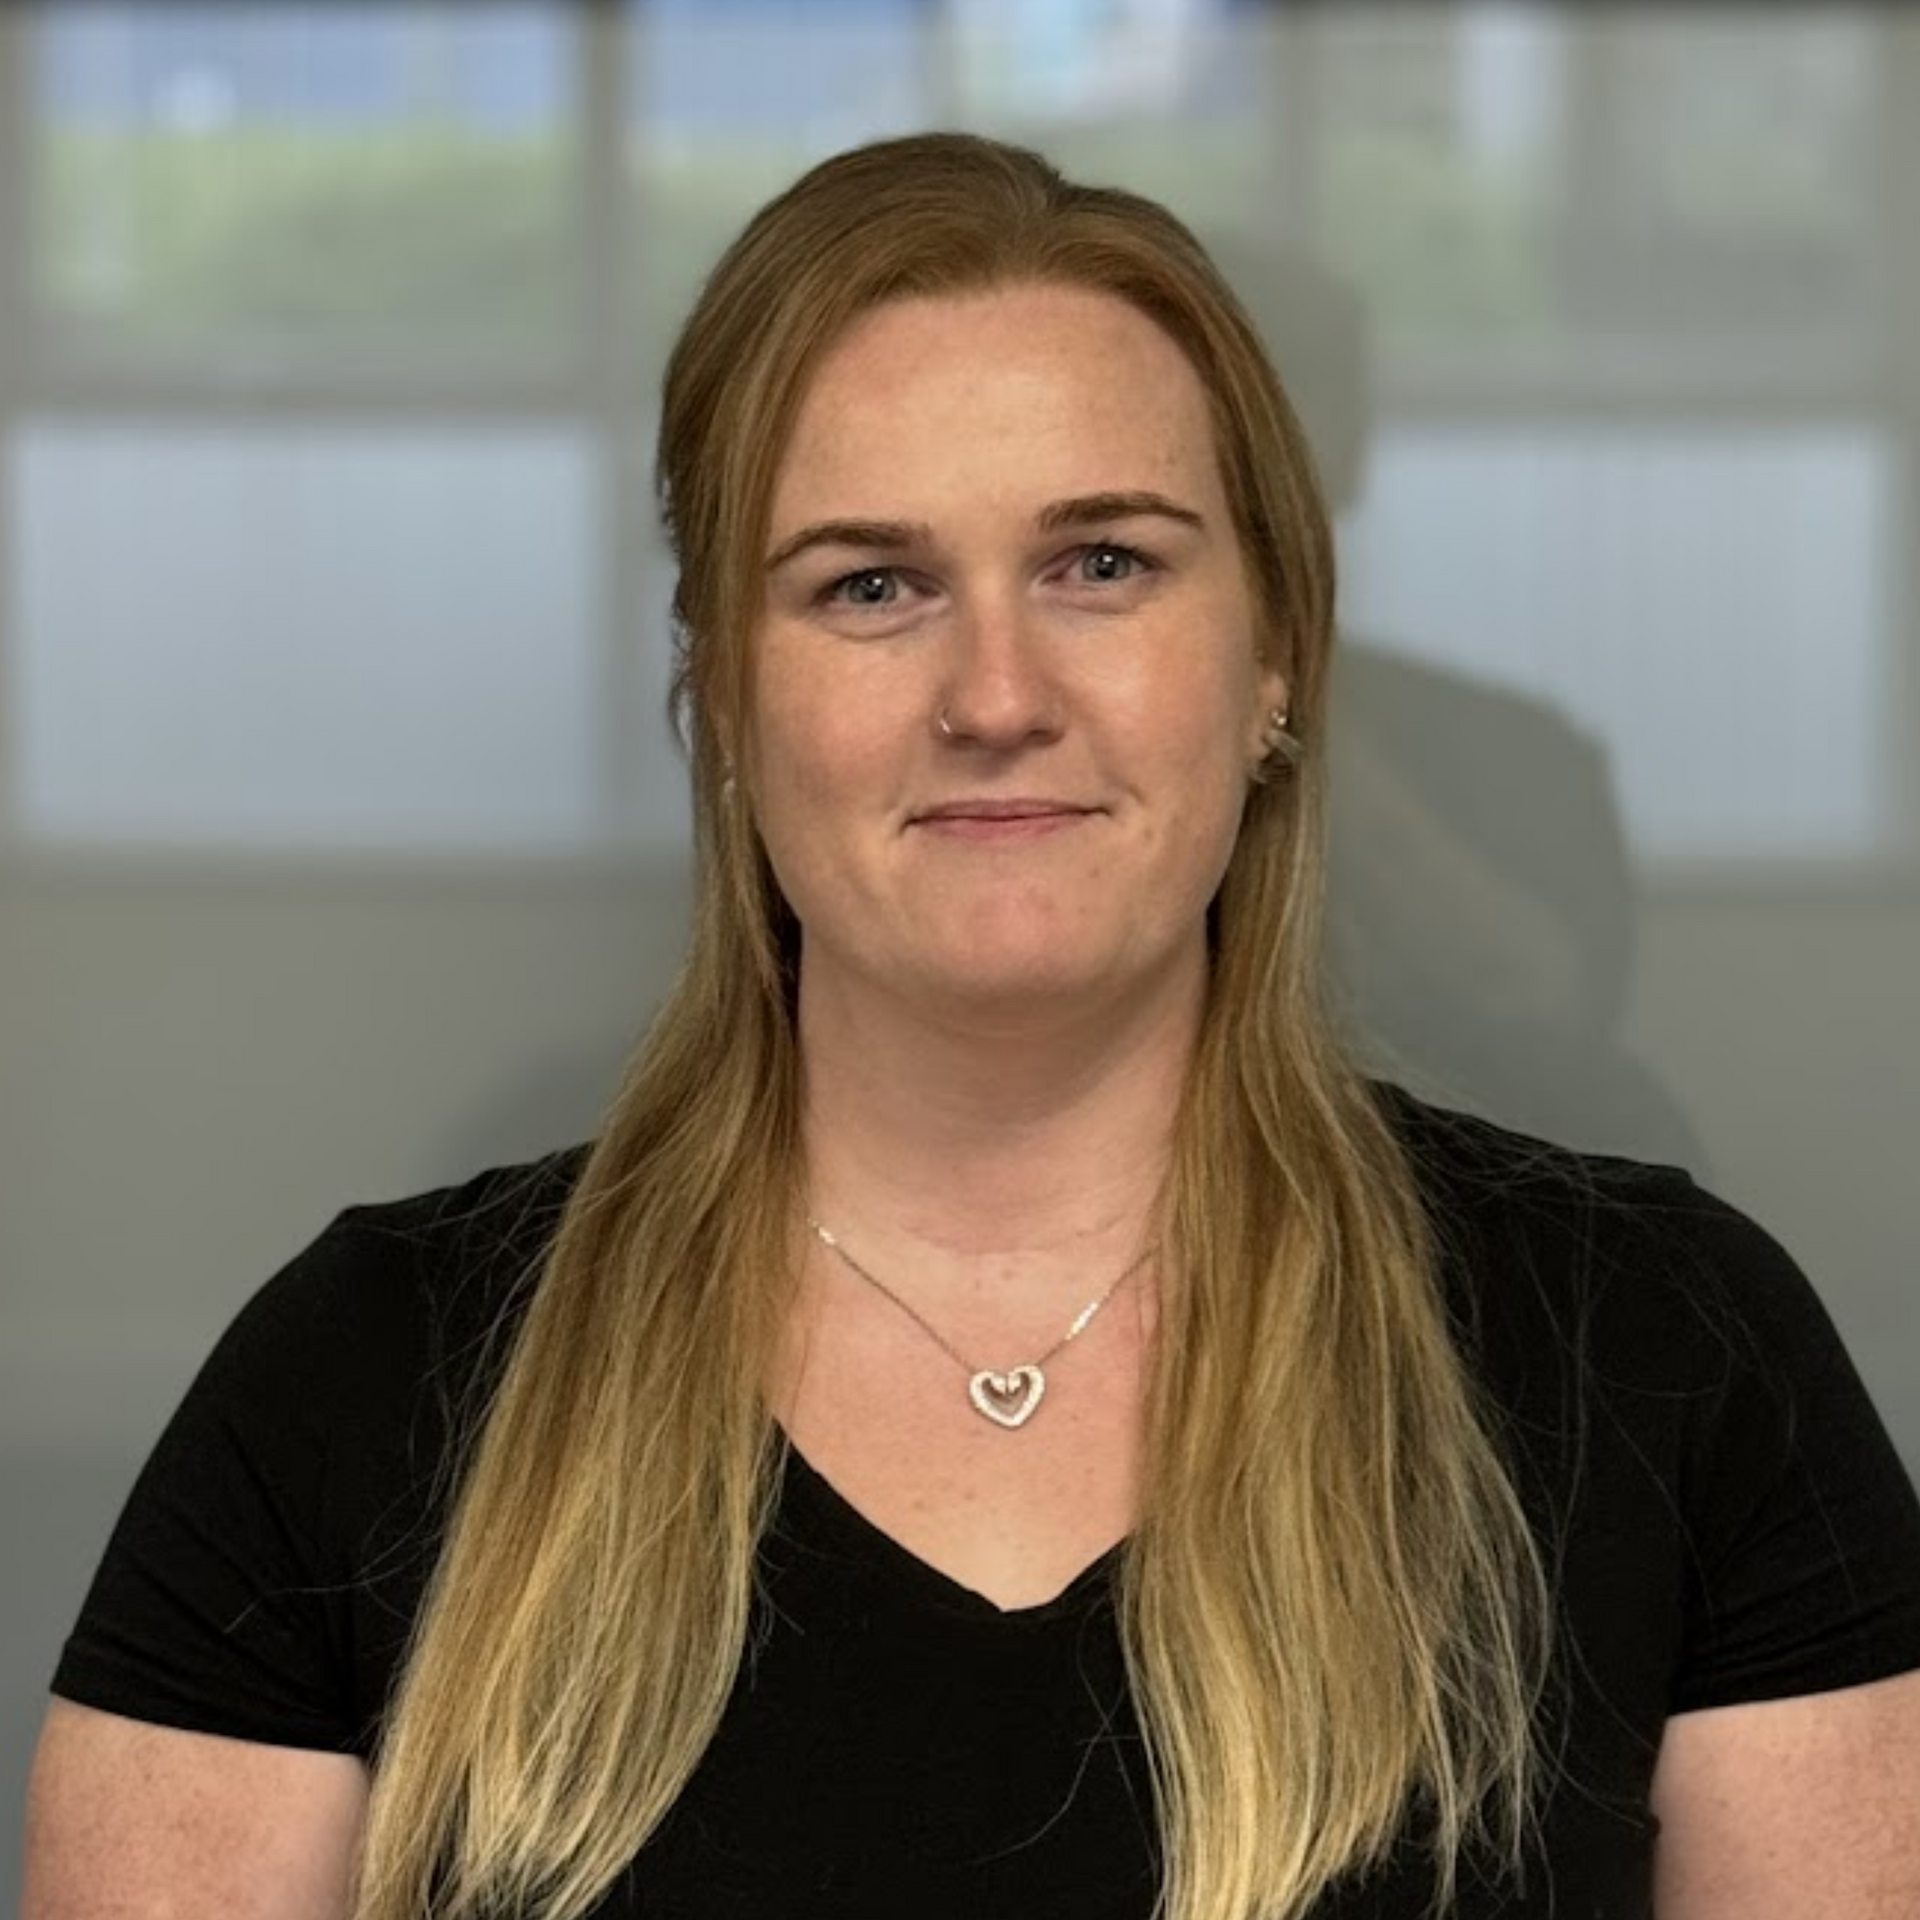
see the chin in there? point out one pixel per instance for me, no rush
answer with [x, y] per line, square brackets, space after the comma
[1039, 981]
[993, 974]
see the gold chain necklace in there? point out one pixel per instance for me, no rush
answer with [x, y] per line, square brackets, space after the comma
[1005, 1395]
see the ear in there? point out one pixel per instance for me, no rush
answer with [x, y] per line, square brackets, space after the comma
[1275, 692]
[1277, 749]
[1272, 695]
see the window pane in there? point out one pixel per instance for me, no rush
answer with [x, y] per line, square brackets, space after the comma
[1537, 187]
[323, 640]
[1172, 98]
[732, 98]
[1439, 160]
[1737, 192]
[378, 184]
[1718, 608]
[1080, 59]
[818, 73]
[729, 100]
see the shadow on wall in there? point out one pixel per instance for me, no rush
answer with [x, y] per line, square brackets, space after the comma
[1482, 914]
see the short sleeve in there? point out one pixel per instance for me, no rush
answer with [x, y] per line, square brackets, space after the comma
[1801, 1524]
[265, 1574]
[1719, 1507]
[222, 1604]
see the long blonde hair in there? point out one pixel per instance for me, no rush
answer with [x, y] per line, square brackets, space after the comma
[1330, 1607]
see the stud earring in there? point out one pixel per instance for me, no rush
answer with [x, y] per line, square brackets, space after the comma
[1283, 748]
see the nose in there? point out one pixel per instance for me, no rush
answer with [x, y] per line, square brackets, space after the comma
[998, 689]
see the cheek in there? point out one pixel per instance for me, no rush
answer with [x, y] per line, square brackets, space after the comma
[1213, 733]
[1210, 763]
[786, 729]
[813, 758]
[814, 762]
[1201, 795]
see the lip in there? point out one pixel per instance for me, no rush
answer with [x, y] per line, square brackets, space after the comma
[984, 818]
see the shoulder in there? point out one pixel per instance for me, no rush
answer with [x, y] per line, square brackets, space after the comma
[1533, 1235]
[474, 1235]
[1629, 1326]
[263, 1577]
[333, 1411]
[396, 1288]
[1728, 1517]
[1473, 1166]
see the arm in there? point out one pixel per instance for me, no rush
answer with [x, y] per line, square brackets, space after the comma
[129, 1821]
[1801, 1809]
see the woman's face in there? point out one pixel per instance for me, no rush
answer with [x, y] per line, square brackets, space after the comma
[1007, 686]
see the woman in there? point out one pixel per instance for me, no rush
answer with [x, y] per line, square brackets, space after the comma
[1004, 1418]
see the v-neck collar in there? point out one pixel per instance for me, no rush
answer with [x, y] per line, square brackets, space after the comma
[814, 1513]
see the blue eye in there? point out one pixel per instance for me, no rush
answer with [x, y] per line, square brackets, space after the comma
[1107, 564]
[871, 587]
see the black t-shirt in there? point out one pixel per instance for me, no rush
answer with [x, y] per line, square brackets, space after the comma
[1723, 1515]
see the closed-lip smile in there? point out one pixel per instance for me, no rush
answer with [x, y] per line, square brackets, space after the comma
[986, 817]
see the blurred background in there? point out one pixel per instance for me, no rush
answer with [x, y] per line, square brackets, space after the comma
[341, 828]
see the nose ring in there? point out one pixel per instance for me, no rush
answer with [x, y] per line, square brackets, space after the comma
[945, 725]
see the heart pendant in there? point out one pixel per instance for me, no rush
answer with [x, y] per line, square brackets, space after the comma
[1007, 1399]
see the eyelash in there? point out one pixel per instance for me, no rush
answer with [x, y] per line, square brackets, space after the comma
[1135, 559]
[1138, 562]
[835, 590]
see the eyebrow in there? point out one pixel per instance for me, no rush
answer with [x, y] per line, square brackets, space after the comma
[885, 536]
[1090, 509]
[895, 536]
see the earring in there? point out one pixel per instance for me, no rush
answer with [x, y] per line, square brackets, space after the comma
[1283, 748]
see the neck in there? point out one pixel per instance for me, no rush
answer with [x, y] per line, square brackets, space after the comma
[1023, 1139]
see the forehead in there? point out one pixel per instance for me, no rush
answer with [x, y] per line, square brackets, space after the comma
[1032, 388]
